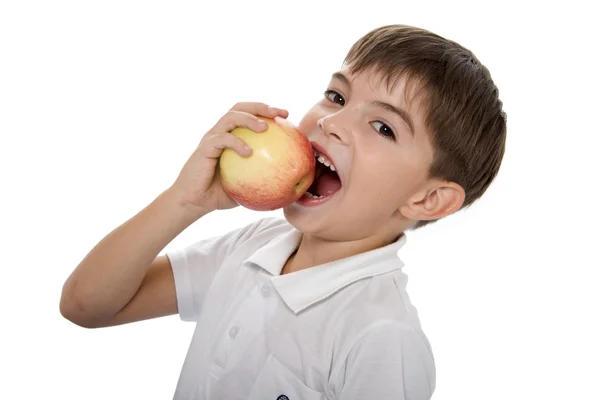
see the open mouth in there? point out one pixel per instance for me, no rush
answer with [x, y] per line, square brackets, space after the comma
[326, 183]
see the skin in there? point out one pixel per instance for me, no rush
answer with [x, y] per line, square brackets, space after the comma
[383, 162]
[385, 190]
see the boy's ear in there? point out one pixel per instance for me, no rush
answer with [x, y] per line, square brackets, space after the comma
[436, 201]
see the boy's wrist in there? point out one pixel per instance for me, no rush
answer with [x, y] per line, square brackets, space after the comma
[177, 206]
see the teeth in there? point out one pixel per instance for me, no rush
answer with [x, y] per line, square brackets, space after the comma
[324, 161]
[312, 196]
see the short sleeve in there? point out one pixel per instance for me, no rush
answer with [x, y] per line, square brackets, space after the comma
[194, 267]
[392, 361]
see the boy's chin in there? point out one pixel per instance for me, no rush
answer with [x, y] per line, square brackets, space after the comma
[327, 226]
[305, 220]
[316, 216]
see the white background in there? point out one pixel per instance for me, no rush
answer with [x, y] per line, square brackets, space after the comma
[101, 103]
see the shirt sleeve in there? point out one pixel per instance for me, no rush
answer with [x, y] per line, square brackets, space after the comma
[392, 361]
[194, 267]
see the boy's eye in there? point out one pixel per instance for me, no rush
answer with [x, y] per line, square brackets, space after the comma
[335, 97]
[383, 129]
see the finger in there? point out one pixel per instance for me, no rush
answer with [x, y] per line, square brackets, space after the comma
[235, 119]
[261, 109]
[213, 148]
[280, 112]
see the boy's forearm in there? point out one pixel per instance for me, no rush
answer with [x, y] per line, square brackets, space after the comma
[112, 272]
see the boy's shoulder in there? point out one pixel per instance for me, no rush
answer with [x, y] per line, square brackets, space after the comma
[264, 229]
[256, 234]
[246, 238]
[272, 225]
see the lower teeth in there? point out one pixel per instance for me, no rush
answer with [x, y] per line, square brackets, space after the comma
[308, 194]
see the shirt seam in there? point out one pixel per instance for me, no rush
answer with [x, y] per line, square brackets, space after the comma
[180, 268]
[362, 334]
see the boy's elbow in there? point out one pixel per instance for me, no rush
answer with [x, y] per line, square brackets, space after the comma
[72, 309]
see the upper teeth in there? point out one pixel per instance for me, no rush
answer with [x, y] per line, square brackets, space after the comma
[324, 160]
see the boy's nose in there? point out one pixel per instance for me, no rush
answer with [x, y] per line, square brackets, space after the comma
[332, 127]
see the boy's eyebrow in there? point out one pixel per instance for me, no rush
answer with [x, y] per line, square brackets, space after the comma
[341, 77]
[399, 112]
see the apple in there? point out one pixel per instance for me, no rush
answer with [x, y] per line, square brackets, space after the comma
[279, 171]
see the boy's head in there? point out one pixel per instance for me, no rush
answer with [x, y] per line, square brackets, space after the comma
[415, 129]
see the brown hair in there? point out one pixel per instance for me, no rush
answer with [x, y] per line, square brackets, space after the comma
[463, 113]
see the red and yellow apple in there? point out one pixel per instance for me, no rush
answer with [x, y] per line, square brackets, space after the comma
[279, 171]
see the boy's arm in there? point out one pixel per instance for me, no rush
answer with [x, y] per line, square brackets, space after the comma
[390, 362]
[122, 280]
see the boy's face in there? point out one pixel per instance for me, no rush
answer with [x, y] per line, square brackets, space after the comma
[377, 142]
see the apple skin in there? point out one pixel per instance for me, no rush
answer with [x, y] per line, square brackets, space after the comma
[279, 171]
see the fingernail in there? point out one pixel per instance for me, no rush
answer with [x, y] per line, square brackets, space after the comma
[282, 121]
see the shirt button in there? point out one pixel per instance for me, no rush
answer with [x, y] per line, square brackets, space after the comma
[233, 332]
[283, 397]
[265, 291]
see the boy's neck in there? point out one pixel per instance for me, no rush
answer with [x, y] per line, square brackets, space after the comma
[313, 250]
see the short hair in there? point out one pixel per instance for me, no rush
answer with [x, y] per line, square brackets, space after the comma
[463, 113]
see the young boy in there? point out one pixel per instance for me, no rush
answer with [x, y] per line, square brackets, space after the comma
[410, 130]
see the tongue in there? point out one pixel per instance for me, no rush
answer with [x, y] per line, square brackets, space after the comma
[328, 184]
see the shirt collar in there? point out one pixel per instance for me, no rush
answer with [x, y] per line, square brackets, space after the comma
[301, 289]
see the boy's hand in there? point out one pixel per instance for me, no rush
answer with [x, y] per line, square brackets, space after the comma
[198, 184]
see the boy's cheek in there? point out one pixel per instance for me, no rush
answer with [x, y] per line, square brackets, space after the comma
[309, 122]
[306, 127]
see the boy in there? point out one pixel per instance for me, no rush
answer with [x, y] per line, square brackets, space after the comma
[410, 130]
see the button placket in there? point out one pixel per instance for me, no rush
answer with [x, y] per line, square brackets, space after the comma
[265, 290]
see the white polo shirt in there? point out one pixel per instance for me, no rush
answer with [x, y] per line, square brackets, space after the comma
[342, 330]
